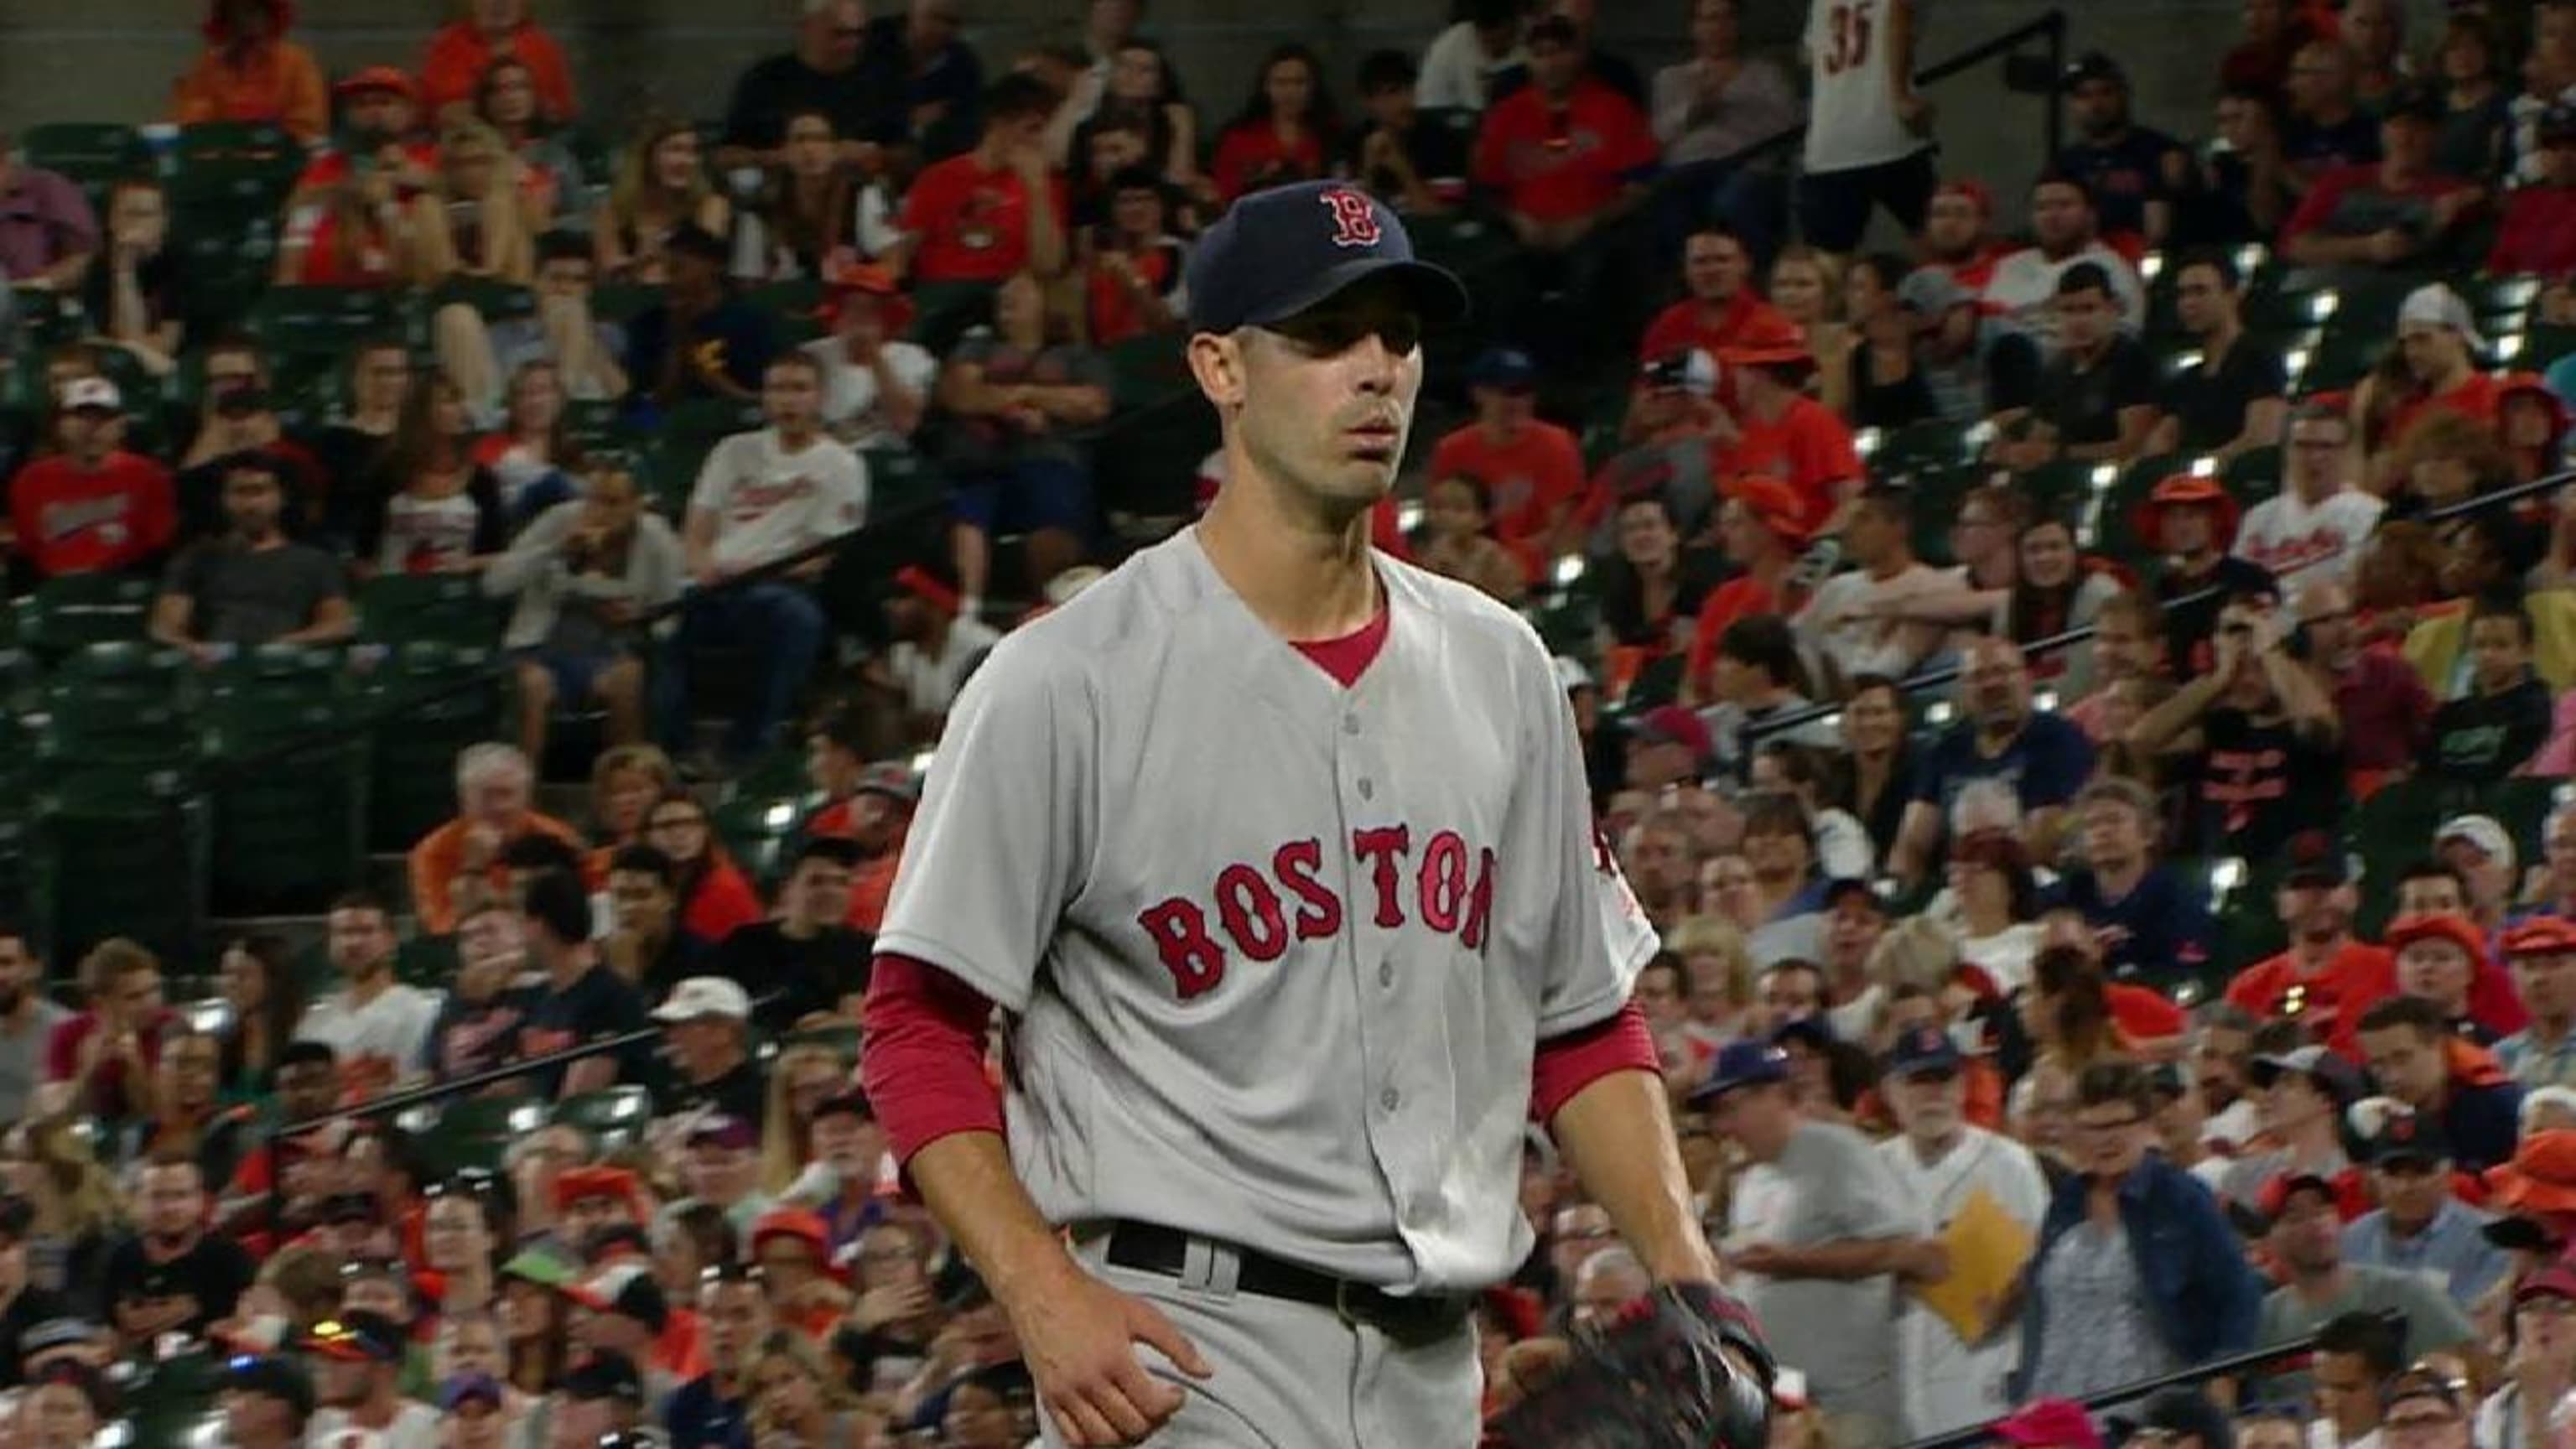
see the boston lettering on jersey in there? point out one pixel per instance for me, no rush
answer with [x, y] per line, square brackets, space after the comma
[1448, 887]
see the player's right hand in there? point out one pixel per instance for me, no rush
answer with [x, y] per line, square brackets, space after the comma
[1078, 1340]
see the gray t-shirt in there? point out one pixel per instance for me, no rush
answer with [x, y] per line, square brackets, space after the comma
[247, 596]
[989, 443]
[2434, 1323]
[22, 1057]
[1827, 1186]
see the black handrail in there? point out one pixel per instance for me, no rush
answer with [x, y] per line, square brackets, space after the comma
[1933, 678]
[2227, 1366]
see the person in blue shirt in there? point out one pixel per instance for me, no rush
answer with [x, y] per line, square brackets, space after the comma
[2415, 1057]
[2151, 921]
[2044, 758]
[2135, 171]
[2419, 1227]
[702, 341]
[713, 1410]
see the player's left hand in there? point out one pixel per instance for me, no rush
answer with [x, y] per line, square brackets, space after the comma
[1078, 1339]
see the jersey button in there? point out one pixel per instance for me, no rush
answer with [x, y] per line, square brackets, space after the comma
[1368, 790]
[1389, 1098]
[1386, 973]
[1350, 724]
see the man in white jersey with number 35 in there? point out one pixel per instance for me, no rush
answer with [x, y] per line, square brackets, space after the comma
[1869, 132]
[1277, 856]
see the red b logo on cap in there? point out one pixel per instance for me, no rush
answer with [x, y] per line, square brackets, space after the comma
[1354, 219]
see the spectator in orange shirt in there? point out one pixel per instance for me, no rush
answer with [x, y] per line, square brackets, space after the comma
[250, 72]
[1780, 432]
[1285, 132]
[2327, 978]
[1567, 153]
[1762, 526]
[2440, 343]
[870, 806]
[1723, 307]
[995, 211]
[1533, 468]
[459, 865]
[464, 48]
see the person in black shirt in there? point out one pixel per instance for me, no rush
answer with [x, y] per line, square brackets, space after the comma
[2097, 397]
[581, 1000]
[2501, 720]
[2245, 190]
[646, 943]
[2263, 740]
[804, 961]
[1415, 168]
[478, 1024]
[173, 1276]
[707, 1022]
[2328, 127]
[833, 70]
[2230, 400]
[2135, 173]
[22, 1305]
[2191, 519]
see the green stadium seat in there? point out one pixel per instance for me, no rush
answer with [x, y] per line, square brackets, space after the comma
[290, 832]
[614, 1117]
[595, 424]
[2254, 474]
[707, 419]
[428, 608]
[426, 702]
[1923, 447]
[68, 613]
[229, 169]
[2391, 829]
[755, 829]
[623, 301]
[126, 851]
[428, 962]
[475, 1133]
[2544, 345]
[96, 154]
[943, 311]
[225, 263]
[899, 480]
[668, 472]
[322, 321]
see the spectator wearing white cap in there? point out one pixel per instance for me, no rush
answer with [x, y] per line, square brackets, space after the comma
[91, 506]
[2440, 342]
[2482, 851]
[707, 1021]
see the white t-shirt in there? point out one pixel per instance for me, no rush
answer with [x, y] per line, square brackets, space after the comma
[394, 1027]
[930, 681]
[1861, 645]
[770, 503]
[2317, 544]
[415, 1426]
[427, 535]
[1948, 1384]
[850, 391]
[1851, 108]
[1456, 72]
[2024, 289]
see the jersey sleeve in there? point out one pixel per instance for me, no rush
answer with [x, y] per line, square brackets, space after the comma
[1561, 895]
[1001, 842]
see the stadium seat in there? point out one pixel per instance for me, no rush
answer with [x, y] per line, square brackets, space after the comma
[794, 307]
[427, 702]
[290, 832]
[96, 154]
[490, 297]
[428, 609]
[755, 829]
[1921, 448]
[667, 472]
[67, 613]
[708, 419]
[899, 479]
[596, 424]
[126, 854]
[428, 962]
[475, 1132]
[614, 1117]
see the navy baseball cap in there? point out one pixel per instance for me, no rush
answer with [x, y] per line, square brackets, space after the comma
[1276, 253]
[1508, 368]
[1924, 1049]
[1742, 1064]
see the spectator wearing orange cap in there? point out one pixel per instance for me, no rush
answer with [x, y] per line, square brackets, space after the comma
[588, 1198]
[2190, 519]
[379, 118]
[2541, 954]
[1532, 468]
[1762, 527]
[1780, 432]
[2439, 957]
[250, 72]
[876, 385]
[793, 1250]
[464, 48]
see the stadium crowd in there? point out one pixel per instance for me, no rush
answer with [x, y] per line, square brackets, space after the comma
[2080, 670]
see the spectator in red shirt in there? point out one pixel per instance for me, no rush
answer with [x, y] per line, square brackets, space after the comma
[1722, 307]
[1132, 283]
[1566, 153]
[1780, 432]
[1285, 132]
[978, 217]
[2385, 707]
[2539, 231]
[2394, 212]
[91, 507]
[1532, 468]
[101, 1060]
[464, 48]
[1958, 234]
[2327, 978]
[250, 72]
[2440, 343]
[1762, 526]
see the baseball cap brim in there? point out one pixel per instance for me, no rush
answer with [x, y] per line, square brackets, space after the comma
[1437, 294]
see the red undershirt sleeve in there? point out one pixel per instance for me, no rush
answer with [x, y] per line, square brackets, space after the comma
[924, 1063]
[1569, 1063]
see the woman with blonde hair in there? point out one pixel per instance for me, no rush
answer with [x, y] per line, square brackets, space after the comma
[1717, 971]
[661, 186]
[478, 220]
[52, 1164]
[805, 1075]
[796, 1400]
[624, 783]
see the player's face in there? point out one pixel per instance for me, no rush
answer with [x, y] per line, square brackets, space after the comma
[1327, 396]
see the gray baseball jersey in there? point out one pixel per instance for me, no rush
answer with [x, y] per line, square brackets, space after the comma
[1280, 952]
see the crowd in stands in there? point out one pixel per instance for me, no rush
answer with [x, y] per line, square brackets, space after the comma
[2078, 665]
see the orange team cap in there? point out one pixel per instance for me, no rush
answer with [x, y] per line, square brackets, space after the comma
[1774, 502]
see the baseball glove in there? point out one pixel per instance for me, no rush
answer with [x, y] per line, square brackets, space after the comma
[1682, 1368]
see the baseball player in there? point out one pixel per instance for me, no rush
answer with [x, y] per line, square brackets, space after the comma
[1276, 853]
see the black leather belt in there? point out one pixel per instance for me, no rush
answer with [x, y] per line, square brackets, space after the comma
[1407, 1317]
